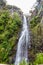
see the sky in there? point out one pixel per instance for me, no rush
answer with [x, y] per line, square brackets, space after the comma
[25, 5]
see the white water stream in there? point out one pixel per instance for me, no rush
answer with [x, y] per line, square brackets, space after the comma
[22, 52]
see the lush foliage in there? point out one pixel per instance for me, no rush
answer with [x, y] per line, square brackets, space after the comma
[9, 28]
[36, 39]
[39, 59]
[35, 21]
[24, 62]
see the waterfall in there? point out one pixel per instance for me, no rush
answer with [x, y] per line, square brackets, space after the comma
[22, 52]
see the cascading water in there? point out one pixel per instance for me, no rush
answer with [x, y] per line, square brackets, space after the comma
[22, 52]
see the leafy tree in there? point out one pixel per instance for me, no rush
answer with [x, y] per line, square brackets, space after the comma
[9, 28]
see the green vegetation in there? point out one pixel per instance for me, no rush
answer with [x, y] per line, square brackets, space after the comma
[37, 35]
[36, 40]
[35, 21]
[38, 59]
[9, 28]
[24, 62]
